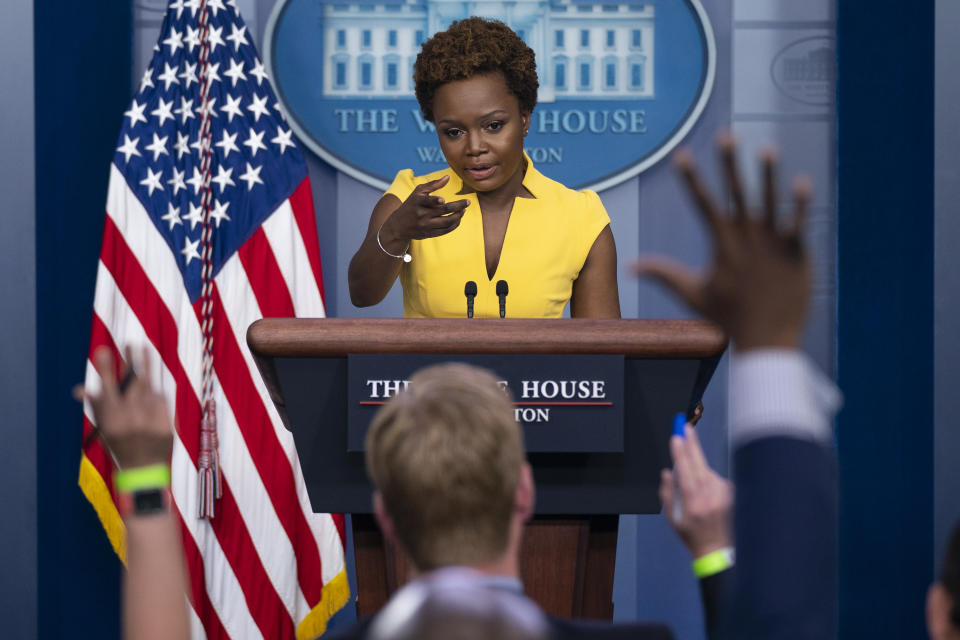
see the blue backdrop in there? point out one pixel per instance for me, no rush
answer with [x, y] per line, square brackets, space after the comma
[885, 316]
[77, 46]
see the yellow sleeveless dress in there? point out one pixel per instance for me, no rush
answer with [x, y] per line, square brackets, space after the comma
[547, 241]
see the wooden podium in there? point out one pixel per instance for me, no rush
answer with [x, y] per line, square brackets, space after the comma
[569, 548]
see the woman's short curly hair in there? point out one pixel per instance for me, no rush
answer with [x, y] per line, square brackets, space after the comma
[470, 47]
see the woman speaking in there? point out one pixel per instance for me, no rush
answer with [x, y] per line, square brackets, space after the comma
[490, 218]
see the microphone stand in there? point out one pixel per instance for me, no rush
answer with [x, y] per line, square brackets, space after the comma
[502, 291]
[470, 290]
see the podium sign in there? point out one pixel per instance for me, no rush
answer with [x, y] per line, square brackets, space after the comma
[563, 403]
[666, 366]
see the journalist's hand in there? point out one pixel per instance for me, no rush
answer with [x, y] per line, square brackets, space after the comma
[758, 287]
[135, 422]
[707, 497]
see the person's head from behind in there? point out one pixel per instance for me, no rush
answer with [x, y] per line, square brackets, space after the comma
[446, 461]
[477, 82]
[453, 605]
[943, 598]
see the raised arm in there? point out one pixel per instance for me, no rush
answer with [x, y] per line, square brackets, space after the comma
[758, 287]
[785, 516]
[393, 224]
[704, 523]
[135, 425]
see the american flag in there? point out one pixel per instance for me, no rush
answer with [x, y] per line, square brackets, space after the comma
[265, 566]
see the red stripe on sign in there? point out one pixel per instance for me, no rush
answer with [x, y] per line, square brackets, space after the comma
[563, 404]
[199, 598]
[377, 403]
[301, 201]
[268, 455]
[265, 605]
[265, 277]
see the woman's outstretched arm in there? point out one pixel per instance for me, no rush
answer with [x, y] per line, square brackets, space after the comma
[372, 271]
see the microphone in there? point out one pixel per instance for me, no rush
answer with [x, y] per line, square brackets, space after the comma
[470, 290]
[502, 291]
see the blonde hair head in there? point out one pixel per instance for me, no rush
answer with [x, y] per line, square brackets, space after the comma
[445, 455]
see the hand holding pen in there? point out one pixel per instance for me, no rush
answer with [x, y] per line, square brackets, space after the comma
[704, 520]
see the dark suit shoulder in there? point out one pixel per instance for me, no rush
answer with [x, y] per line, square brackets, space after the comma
[356, 631]
[573, 629]
[786, 532]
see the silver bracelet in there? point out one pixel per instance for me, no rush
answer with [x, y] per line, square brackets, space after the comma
[405, 256]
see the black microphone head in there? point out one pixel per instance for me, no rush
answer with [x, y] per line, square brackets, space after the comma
[470, 289]
[502, 288]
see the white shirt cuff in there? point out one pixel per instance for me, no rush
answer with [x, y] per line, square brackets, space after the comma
[780, 392]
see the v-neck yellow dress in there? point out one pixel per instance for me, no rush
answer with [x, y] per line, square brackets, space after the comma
[547, 241]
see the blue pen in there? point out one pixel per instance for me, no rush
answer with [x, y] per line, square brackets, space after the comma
[679, 422]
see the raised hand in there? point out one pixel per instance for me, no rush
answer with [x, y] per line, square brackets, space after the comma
[422, 215]
[758, 287]
[134, 422]
[707, 497]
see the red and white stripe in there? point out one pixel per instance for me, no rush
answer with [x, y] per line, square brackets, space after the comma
[258, 567]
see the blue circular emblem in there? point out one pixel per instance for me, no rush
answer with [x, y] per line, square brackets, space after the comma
[620, 84]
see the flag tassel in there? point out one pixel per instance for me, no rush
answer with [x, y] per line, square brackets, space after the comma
[211, 485]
